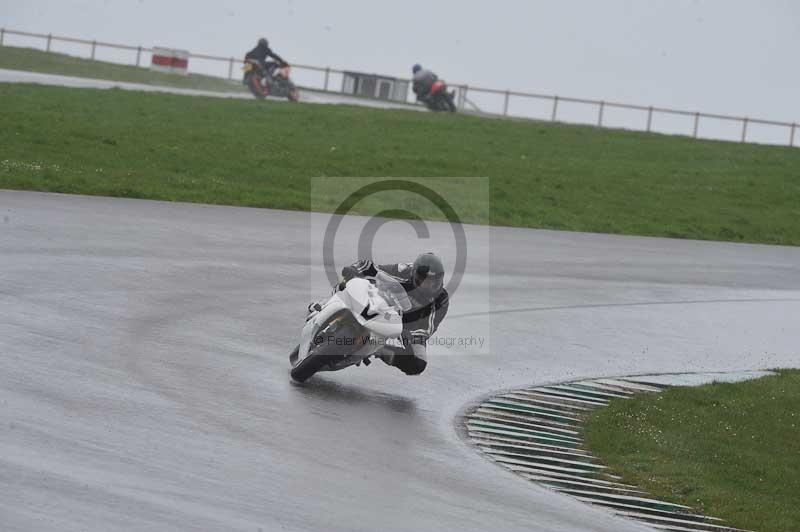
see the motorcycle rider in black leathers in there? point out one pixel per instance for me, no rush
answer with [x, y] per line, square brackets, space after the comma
[423, 282]
[261, 52]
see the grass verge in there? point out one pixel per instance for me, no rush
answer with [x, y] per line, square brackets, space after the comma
[729, 450]
[133, 144]
[66, 65]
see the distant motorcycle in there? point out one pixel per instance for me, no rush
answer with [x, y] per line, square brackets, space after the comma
[440, 99]
[351, 326]
[271, 81]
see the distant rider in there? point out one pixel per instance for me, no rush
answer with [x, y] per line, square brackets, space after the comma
[423, 82]
[423, 282]
[261, 52]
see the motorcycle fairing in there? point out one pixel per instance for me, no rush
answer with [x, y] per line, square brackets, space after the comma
[363, 300]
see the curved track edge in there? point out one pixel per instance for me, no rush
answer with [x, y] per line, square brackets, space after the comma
[535, 433]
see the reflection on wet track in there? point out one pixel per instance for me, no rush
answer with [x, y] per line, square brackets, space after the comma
[144, 381]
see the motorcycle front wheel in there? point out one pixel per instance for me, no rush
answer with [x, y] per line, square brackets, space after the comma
[327, 352]
[443, 102]
[294, 93]
[451, 105]
[254, 84]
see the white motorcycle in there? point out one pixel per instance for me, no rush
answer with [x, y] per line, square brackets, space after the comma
[351, 326]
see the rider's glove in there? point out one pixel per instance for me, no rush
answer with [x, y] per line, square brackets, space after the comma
[348, 272]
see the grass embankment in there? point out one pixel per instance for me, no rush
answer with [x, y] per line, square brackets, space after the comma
[729, 450]
[159, 146]
[65, 65]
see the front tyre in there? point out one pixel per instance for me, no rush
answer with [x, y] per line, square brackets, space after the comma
[439, 102]
[254, 84]
[308, 367]
[451, 105]
[293, 93]
[326, 353]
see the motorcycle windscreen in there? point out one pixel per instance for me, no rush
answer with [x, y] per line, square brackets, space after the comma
[392, 292]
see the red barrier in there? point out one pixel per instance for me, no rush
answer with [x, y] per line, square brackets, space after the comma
[170, 60]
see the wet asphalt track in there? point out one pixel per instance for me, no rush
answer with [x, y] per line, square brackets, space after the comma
[306, 96]
[144, 385]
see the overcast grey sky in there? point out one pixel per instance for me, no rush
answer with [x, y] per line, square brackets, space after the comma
[732, 57]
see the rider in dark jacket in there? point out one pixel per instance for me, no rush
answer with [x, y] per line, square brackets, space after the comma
[423, 281]
[423, 82]
[261, 52]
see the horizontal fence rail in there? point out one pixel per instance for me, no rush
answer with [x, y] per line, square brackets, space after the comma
[322, 79]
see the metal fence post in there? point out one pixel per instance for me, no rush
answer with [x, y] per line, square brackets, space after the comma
[791, 135]
[49, 40]
[230, 68]
[2, 35]
[94, 46]
[696, 124]
[600, 114]
[327, 77]
[555, 109]
[505, 103]
[649, 118]
[744, 129]
[138, 55]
